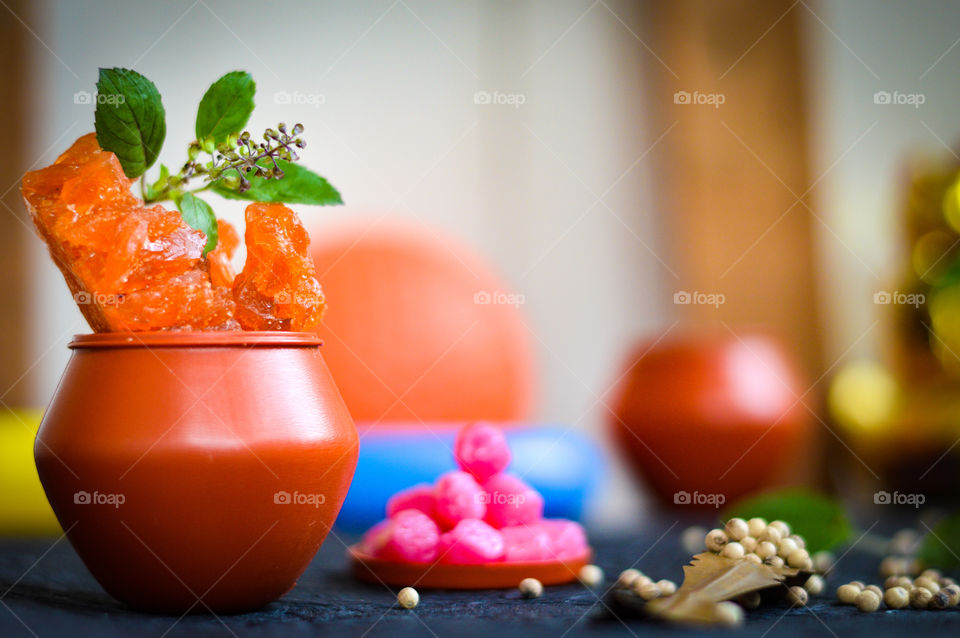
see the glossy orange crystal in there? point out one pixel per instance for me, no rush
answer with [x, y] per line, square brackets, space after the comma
[278, 288]
[136, 267]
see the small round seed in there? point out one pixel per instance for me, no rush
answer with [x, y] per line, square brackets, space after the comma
[823, 562]
[774, 561]
[927, 583]
[797, 596]
[920, 598]
[932, 574]
[893, 566]
[667, 587]
[874, 589]
[814, 585]
[733, 549]
[941, 600]
[858, 583]
[896, 598]
[847, 594]
[953, 591]
[904, 542]
[771, 534]
[781, 527]
[750, 600]
[765, 549]
[692, 539]
[408, 598]
[905, 581]
[639, 583]
[530, 588]
[591, 575]
[756, 526]
[786, 547]
[716, 540]
[627, 576]
[946, 582]
[753, 558]
[737, 528]
[729, 614]
[749, 543]
[801, 543]
[868, 601]
[798, 558]
[648, 591]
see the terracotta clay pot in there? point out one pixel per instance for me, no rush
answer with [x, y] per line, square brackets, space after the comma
[196, 471]
[708, 418]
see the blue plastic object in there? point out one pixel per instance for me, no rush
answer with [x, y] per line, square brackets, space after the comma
[562, 464]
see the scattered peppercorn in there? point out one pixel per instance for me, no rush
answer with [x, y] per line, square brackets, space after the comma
[591, 575]
[733, 549]
[627, 576]
[847, 594]
[920, 598]
[716, 540]
[666, 587]
[797, 596]
[408, 598]
[530, 588]
[868, 601]
[737, 528]
[814, 585]
[729, 614]
[896, 598]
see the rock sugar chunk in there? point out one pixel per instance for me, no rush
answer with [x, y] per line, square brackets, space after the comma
[482, 450]
[129, 266]
[408, 537]
[222, 273]
[471, 542]
[510, 501]
[419, 497]
[278, 288]
[457, 496]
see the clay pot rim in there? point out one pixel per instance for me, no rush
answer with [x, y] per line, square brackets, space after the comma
[193, 339]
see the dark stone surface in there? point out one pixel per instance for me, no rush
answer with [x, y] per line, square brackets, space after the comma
[47, 592]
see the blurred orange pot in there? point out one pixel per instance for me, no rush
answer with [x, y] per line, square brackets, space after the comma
[708, 418]
[196, 471]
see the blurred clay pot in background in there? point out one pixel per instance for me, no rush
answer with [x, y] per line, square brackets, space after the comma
[196, 471]
[711, 417]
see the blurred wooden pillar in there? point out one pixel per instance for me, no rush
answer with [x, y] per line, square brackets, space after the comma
[731, 175]
[14, 229]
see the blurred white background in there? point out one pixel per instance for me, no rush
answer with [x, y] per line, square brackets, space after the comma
[558, 192]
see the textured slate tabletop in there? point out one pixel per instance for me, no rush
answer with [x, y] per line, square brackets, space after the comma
[45, 591]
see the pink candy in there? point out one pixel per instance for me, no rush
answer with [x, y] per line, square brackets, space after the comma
[568, 538]
[471, 542]
[482, 450]
[457, 496]
[418, 497]
[526, 543]
[510, 501]
[461, 521]
[412, 537]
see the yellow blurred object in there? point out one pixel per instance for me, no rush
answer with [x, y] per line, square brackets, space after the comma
[864, 397]
[24, 510]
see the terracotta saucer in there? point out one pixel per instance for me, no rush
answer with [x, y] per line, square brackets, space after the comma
[442, 576]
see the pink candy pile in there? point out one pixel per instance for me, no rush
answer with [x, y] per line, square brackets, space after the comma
[478, 514]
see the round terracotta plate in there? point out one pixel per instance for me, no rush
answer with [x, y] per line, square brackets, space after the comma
[439, 576]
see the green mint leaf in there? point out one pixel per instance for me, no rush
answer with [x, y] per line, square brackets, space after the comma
[198, 214]
[129, 119]
[299, 185]
[941, 547]
[226, 106]
[821, 521]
